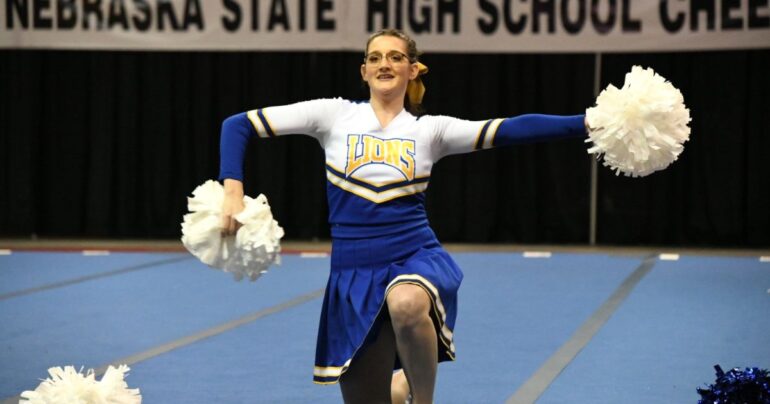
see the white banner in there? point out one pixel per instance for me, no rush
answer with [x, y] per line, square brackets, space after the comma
[437, 25]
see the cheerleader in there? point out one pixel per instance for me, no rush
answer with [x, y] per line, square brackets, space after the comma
[391, 299]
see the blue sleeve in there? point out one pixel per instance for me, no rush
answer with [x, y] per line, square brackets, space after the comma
[236, 132]
[538, 128]
[455, 136]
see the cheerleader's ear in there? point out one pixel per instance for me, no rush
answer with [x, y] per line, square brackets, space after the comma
[414, 71]
[363, 72]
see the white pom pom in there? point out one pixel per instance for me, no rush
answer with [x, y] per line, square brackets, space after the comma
[641, 127]
[68, 386]
[250, 252]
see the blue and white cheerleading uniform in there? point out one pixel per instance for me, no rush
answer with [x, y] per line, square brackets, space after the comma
[376, 182]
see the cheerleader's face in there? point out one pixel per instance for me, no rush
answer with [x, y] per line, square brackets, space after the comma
[386, 67]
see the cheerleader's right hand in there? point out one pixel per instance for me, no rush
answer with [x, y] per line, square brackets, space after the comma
[231, 206]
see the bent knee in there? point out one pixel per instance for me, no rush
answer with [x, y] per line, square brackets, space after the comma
[408, 305]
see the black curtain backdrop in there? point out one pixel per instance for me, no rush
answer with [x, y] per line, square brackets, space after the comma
[109, 144]
[718, 192]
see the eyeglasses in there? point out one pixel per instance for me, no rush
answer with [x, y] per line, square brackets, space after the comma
[393, 56]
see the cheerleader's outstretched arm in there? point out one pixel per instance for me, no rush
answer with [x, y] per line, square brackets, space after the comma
[460, 136]
[538, 128]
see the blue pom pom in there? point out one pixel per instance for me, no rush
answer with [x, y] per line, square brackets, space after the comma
[749, 386]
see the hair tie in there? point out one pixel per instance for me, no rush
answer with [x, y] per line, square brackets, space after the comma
[416, 89]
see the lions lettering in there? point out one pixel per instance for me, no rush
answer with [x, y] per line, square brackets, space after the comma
[367, 149]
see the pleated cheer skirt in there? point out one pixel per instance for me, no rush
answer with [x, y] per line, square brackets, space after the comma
[362, 273]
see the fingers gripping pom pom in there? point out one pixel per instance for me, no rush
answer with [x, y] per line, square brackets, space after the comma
[68, 386]
[250, 252]
[641, 127]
